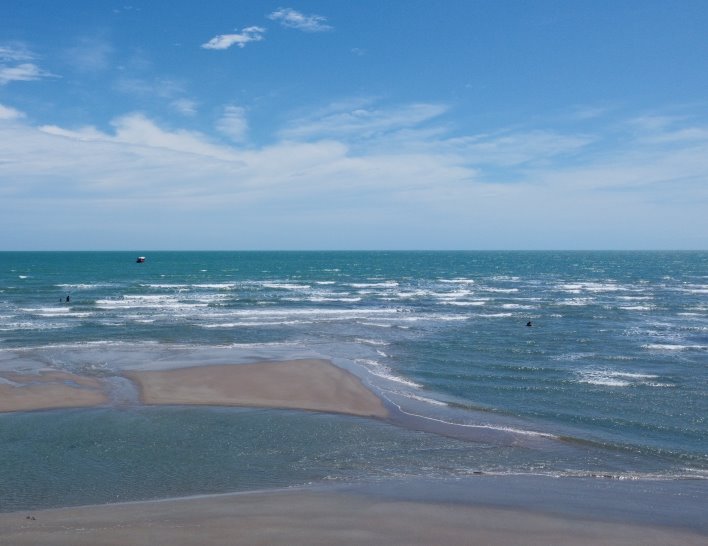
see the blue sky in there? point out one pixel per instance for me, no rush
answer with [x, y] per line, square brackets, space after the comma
[364, 124]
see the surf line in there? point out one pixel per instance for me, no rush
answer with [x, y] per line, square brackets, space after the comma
[511, 430]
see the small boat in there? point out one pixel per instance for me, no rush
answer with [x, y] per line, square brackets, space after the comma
[140, 260]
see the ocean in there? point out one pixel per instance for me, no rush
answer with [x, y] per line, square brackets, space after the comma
[609, 380]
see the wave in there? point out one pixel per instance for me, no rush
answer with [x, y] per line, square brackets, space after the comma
[499, 290]
[285, 286]
[378, 369]
[668, 347]
[375, 342]
[612, 378]
[384, 284]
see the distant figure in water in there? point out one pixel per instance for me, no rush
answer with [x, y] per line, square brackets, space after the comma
[68, 299]
[529, 324]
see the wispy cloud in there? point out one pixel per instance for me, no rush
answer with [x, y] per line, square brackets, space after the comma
[144, 136]
[166, 88]
[362, 121]
[24, 72]
[291, 18]
[8, 113]
[233, 123]
[15, 52]
[186, 107]
[15, 64]
[90, 54]
[225, 41]
[423, 182]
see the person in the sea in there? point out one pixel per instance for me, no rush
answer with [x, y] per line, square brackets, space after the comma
[529, 324]
[68, 298]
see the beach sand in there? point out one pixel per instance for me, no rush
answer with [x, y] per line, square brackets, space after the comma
[49, 390]
[316, 517]
[296, 384]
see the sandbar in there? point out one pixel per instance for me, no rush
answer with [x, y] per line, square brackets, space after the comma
[312, 517]
[307, 384]
[49, 390]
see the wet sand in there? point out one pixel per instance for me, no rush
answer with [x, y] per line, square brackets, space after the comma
[49, 390]
[296, 384]
[316, 517]
[315, 385]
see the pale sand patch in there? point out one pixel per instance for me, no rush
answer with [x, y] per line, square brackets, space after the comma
[49, 390]
[311, 517]
[295, 384]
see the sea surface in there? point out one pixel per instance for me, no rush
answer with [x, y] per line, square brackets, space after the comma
[610, 380]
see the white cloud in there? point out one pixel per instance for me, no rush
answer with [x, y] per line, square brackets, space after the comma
[141, 133]
[233, 123]
[290, 18]
[22, 72]
[8, 113]
[225, 41]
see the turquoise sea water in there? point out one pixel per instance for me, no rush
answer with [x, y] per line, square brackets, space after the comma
[611, 379]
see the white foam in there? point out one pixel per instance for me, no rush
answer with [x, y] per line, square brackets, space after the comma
[375, 342]
[612, 378]
[500, 290]
[285, 286]
[322, 299]
[451, 295]
[474, 303]
[423, 399]
[384, 372]
[668, 347]
[83, 286]
[694, 289]
[384, 284]
[576, 302]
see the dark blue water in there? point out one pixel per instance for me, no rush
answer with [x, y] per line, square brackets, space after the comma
[611, 378]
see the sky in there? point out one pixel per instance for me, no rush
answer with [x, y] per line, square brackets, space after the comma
[353, 124]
